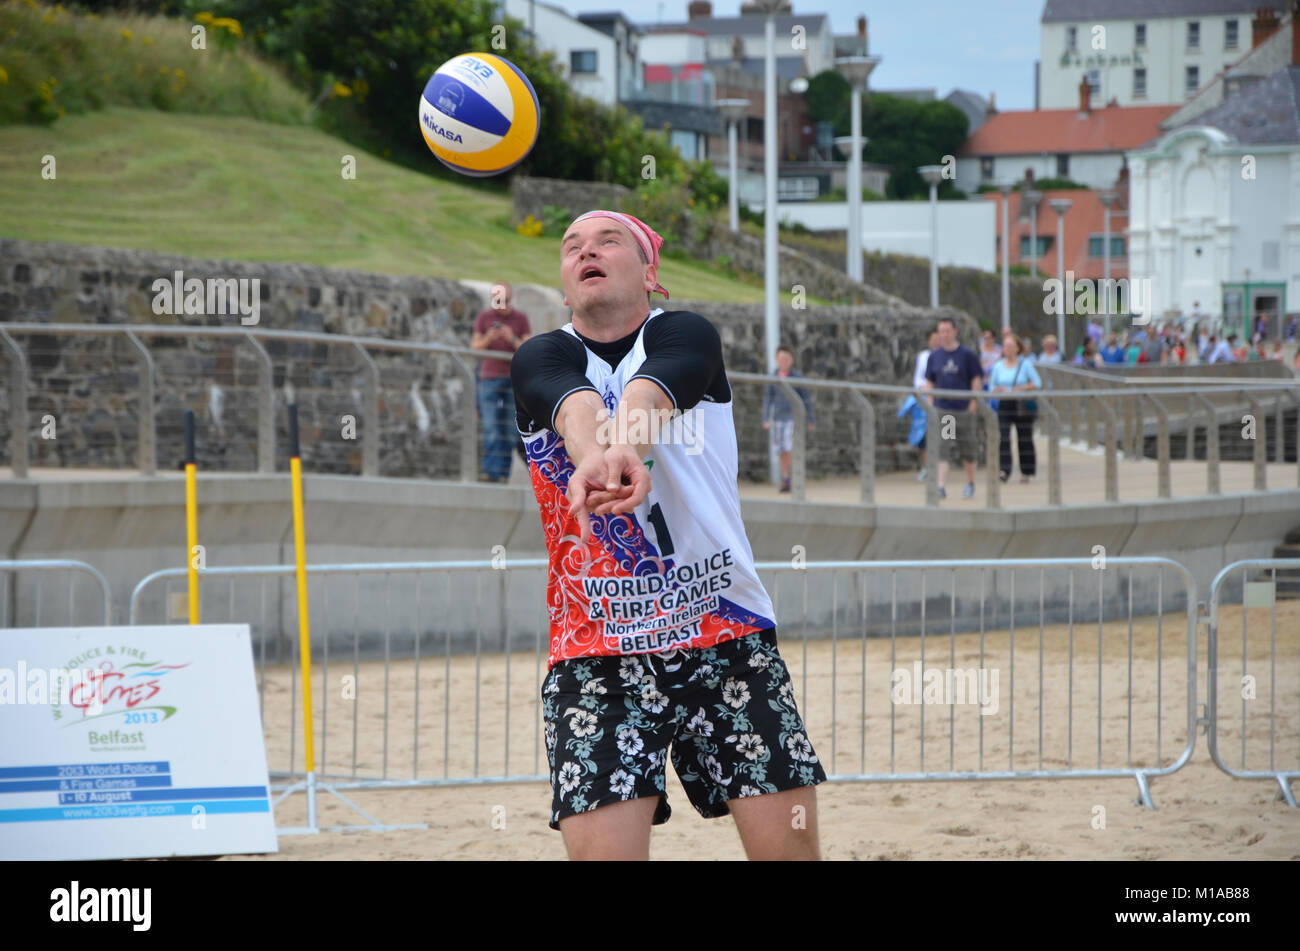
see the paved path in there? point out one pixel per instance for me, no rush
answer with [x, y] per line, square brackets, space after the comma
[1082, 477]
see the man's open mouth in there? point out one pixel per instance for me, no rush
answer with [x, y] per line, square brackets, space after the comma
[591, 271]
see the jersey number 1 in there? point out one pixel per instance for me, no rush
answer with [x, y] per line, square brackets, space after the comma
[661, 531]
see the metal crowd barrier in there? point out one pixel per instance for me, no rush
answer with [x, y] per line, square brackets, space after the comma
[457, 648]
[1266, 675]
[29, 607]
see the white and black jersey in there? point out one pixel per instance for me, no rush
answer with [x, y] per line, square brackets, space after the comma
[677, 571]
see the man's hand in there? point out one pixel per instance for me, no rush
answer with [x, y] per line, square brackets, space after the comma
[626, 486]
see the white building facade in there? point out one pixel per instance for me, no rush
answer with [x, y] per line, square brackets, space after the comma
[1139, 52]
[587, 57]
[1215, 220]
[967, 229]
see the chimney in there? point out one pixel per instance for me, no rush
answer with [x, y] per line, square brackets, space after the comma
[1085, 96]
[992, 109]
[1295, 33]
[1263, 26]
[699, 10]
[862, 35]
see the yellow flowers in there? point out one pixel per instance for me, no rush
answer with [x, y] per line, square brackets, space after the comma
[205, 18]
[180, 74]
[147, 41]
[230, 25]
[341, 91]
[164, 70]
[4, 77]
[530, 227]
[127, 34]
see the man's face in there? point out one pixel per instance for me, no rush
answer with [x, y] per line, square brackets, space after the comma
[947, 336]
[934, 339]
[1112, 340]
[1049, 346]
[784, 361]
[601, 266]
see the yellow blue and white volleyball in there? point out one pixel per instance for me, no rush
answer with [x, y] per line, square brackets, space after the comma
[479, 114]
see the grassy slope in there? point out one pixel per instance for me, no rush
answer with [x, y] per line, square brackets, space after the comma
[212, 186]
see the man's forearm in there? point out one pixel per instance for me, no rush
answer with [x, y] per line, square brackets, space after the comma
[642, 411]
[579, 420]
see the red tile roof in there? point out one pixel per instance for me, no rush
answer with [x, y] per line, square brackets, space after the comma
[1035, 131]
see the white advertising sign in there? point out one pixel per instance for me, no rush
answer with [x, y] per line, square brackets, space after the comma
[131, 742]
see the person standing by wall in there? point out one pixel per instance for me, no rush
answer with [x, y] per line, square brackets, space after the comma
[955, 367]
[778, 417]
[1012, 375]
[918, 382]
[499, 327]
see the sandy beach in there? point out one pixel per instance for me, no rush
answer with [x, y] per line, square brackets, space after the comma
[1201, 813]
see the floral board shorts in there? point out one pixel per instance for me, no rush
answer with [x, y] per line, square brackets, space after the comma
[727, 713]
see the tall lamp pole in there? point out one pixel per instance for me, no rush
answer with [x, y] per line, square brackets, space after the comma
[771, 259]
[933, 174]
[1107, 199]
[1060, 206]
[1029, 199]
[855, 70]
[1006, 190]
[733, 111]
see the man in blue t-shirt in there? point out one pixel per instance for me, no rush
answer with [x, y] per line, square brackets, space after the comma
[1112, 352]
[955, 367]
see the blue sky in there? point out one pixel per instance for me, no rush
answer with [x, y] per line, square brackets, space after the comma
[985, 46]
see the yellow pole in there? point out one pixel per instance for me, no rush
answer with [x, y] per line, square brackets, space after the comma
[192, 538]
[304, 636]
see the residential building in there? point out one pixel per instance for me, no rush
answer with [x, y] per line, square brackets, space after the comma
[1084, 144]
[598, 58]
[1085, 231]
[1139, 52]
[1216, 204]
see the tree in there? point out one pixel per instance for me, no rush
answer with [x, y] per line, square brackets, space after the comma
[902, 133]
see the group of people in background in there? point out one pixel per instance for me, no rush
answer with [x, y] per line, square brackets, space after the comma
[1003, 365]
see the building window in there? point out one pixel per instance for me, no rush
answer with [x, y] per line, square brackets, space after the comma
[1193, 34]
[582, 61]
[986, 168]
[1230, 34]
[1096, 242]
[1193, 79]
[1072, 39]
[1044, 245]
[1140, 35]
[1094, 81]
[1140, 83]
[1063, 165]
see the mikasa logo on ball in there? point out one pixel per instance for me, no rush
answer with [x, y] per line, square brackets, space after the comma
[439, 130]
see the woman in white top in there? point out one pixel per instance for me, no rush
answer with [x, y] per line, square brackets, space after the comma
[1015, 375]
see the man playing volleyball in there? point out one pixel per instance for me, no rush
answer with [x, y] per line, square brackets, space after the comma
[662, 638]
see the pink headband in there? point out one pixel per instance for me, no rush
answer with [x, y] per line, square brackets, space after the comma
[646, 237]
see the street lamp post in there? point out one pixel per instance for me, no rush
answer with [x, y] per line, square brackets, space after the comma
[1107, 198]
[1029, 199]
[1060, 206]
[853, 185]
[733, 111]
[771, 259]
[855, 70]
[1006, 190]
[933, 174]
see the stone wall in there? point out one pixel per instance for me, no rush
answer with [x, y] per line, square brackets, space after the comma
[90, 385]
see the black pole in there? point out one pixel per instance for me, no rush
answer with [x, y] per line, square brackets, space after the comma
[189, 436]
[293, 430]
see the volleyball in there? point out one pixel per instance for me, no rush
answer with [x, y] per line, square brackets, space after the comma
[479, 114]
